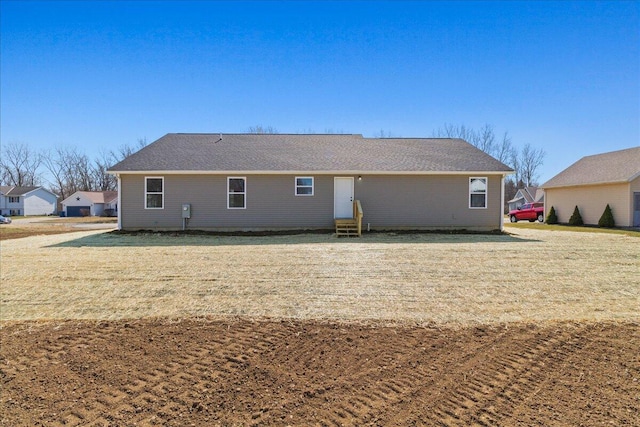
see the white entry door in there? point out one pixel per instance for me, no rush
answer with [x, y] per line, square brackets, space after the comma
[343, 197]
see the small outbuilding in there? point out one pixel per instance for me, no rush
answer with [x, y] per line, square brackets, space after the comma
[594, 182]
[91, 203]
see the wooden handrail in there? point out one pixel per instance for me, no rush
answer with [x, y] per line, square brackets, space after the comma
[357, 215]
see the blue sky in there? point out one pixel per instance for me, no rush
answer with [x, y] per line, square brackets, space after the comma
[561, 76]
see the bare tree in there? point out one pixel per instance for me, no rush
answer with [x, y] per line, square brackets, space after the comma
[483, 139]
[5, 178]
[53, 161]
[530, 161]
[82, 168]
[262, 129]
[19, 165]
[70, 171]
[456, 131]
[102, 180]
[125, 150]
[525, 162]
[504, 150]
[516, 166]
[383, 134]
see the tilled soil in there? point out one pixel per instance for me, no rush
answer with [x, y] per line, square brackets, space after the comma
[241, 373]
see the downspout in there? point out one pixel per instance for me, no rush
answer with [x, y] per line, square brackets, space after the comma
[119, 204]
[502, 203]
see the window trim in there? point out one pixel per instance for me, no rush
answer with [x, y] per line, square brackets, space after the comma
[485, 193]
[296, 186]
[14, 199]
[229, 193]
[146, 192]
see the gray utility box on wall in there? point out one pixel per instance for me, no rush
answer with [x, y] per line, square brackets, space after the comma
[186, 210]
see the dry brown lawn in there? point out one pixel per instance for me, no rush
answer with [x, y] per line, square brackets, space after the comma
[530, 275]
[40, 226]
[540, 328]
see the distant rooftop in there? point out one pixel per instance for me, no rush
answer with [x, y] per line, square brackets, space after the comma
[607, 168]
[12, 190]
[96, 196]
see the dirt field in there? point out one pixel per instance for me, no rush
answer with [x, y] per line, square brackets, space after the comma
[243, 373]
[434, 330]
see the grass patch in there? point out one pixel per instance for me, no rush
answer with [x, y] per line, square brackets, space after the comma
[529, 275]
[562, 227]
[32, 226]
[82, 220]
[8, 232]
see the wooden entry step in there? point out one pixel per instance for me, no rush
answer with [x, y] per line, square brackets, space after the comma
[351, 226]
[346, 227]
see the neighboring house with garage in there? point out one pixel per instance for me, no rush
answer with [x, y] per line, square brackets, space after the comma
[32, 200]
[278, 181]
[592, 182]
[526, 195]
[91, 203]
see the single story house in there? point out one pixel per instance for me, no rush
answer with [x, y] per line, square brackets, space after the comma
[91, 203]
[283, 181]
[32, 200]
[593, 182]
[526, 195]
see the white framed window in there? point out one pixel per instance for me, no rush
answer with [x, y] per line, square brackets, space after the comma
[304, 186]
[478, 193]
[14, 199]
[154, 192]
[236, 192]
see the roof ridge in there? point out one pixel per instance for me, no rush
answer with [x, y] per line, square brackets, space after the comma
[610, 152]
[267, 134]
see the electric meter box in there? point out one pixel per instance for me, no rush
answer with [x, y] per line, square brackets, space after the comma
[186, 210]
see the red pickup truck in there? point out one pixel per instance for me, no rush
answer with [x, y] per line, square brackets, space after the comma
[529, 211]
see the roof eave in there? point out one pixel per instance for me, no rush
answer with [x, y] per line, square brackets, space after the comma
[587, 184]
[315, 172]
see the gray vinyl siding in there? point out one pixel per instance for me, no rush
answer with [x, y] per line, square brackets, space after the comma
[407, 201]
[414, 202]
[270, 203]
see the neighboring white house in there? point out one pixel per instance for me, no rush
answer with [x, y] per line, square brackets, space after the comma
[91, 203]
[27, 201]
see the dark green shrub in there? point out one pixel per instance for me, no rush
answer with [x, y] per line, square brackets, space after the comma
[552, 218]
[606, 220]
[576, 218]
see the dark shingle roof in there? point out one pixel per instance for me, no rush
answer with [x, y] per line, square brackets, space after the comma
[607, 168]
[10, 190]
[313, 153]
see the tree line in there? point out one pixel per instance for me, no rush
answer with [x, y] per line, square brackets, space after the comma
[525, 161]
[63, 169]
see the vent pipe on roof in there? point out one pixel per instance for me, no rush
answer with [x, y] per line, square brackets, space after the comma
[219, 139]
